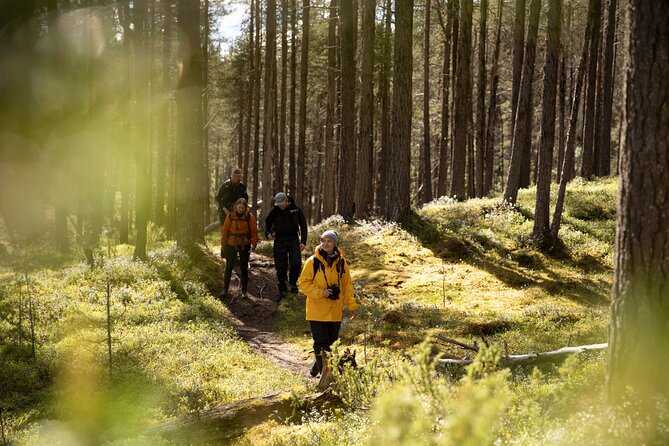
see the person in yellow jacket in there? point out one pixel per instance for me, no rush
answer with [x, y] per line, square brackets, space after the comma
[239, 236]
[326, 281]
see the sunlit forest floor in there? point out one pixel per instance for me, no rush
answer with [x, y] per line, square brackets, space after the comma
[99, 355]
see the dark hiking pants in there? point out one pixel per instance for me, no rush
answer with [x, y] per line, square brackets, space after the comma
[287, 254]
[230, 260]
[325, 333]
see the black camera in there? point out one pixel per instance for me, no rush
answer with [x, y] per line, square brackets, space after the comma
[335, 292]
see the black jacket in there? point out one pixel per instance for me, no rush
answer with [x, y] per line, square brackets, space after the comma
[229, 193]
[286, 224]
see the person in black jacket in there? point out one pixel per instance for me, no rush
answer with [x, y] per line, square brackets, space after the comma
[230, 191]
[286, 225]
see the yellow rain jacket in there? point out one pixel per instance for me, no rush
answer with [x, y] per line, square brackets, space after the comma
[321, 308]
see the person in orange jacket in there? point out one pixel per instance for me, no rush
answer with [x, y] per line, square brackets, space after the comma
[239, 236]
[326, 281]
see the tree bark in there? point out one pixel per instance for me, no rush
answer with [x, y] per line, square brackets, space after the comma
[292, 168]
[205, 183]
[250, 92]
[346, 181]
[541, 232]
[518, 48]
[639, 330]
[463, 102]
[522, 132]
[425, 183]
[330, 180]
[269, 144]
[400, 136]
[256, 112]
[304, 68]
[163, 117]
[143, 150]
[604, 143]
[568, 161]
[280, 182]
[489, 159]
[384, 90]
[365, 161]
[480, 103]
[445, 98]
[190, 215]
[588, 167]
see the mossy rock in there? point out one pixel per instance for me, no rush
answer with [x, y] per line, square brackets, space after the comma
[487, 328]
[527, 259]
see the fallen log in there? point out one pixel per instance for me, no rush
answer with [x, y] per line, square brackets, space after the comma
[532, 358]
[227, 421]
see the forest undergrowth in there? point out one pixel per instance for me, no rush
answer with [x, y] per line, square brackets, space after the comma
[96, 355]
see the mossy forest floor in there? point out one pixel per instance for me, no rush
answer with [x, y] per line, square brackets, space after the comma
[96, 355]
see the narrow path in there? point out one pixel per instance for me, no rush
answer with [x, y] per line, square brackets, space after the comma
[254, 317]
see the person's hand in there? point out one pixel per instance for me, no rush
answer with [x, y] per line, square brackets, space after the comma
[327, 292]
[301, 246]
[226, 211]
[353, 313]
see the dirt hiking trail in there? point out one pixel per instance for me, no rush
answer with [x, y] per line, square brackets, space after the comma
[254, 316]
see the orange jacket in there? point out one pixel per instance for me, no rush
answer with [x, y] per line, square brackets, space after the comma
[239, 229]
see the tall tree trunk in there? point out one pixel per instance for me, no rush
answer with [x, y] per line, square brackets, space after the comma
[518, 52]
[384, 90]
[142, 156]
[250, 92]
[480, 103]
[280, 175]
[163, 116]
[304, 68]
[206, 183]
[527, 142]
[255, 169]
[269, 145]
[604, 142]
[639, 330]
[400, 145]
[522, 132]
[568, 161]
[365, 161]
[562, 91]
[425, 182]
[445, 98]
[489, 158]
[463, 101]
[190, 212]
[292, 180]
[588, 166]
[541, 231]
[330, 180]
[61, 239]
[346, 181]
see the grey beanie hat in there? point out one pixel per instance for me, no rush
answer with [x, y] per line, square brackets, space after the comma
[331, 235]
[280, 198]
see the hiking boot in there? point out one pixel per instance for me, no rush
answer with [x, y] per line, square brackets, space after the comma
[314, 369]
[294, 289]
[317, 366]
[244, 295]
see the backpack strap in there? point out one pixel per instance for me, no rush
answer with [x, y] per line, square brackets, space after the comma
[341, 268]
